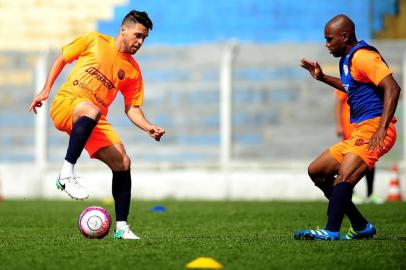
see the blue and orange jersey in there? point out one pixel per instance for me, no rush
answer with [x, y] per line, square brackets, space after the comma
[361, 71]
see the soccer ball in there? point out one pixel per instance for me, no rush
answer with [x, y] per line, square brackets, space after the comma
[94, 222]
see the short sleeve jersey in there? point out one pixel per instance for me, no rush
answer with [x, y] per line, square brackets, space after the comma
[368, 66]
[101, 71]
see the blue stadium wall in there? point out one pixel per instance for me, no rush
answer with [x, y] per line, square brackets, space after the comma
[179, 22]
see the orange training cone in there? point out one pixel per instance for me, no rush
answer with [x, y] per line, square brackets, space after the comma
[394, 194]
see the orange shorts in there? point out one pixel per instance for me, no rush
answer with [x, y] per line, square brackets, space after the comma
[103, 134]
[359, 140]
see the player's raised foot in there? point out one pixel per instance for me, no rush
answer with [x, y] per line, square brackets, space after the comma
[72, 187]
[352, 234]
[124, 232]
[316, 235]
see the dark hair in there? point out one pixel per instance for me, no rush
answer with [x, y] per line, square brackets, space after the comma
[135, 16]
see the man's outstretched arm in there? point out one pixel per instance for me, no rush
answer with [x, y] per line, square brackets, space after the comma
[317, 73]
[54, 72]
[136, 116]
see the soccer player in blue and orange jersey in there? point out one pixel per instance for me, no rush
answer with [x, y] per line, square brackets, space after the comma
[373, 95]
[104, 66]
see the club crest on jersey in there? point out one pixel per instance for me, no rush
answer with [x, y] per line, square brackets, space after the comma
[345, 68]
[121, 74]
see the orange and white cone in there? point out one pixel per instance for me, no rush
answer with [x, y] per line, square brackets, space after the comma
[394, 194]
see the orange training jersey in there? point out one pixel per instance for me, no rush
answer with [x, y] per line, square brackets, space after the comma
[100, 71]
[345, 114]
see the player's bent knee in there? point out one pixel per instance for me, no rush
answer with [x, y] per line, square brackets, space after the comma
[310, 171]
[313, 172]
[87, 109]
[126, 163]
[94, 113]
[318, 174]
[123, 163]
[345, 178]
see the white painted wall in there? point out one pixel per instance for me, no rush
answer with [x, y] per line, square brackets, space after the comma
[26, 181]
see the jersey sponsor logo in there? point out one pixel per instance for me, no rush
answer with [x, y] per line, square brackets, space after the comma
[121, 74]
[100, 77]
[85, 88]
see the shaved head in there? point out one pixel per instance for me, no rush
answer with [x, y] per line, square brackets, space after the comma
[341, 23]
[340, 35]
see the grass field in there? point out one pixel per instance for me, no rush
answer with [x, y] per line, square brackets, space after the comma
[240, 235]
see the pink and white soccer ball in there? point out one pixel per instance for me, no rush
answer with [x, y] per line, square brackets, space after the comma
[94, 222]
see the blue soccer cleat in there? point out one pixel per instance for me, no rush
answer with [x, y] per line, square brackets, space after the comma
[368, 232]
[316, 235]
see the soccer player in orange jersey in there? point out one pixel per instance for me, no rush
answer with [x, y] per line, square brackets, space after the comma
[373, 95]
[104, 66]
[343, 130]
[342, 115]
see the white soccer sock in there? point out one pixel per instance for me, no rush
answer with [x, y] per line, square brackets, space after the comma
[67, 170]
[120, 224]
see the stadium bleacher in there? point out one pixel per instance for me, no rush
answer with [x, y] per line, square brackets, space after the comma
[187, 22]
[38, 25]
[273, 98]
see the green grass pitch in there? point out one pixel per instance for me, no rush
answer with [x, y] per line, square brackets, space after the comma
[38, 234]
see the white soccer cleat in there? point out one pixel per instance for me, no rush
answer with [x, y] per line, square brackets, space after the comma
[124, 232]
[71, 186]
